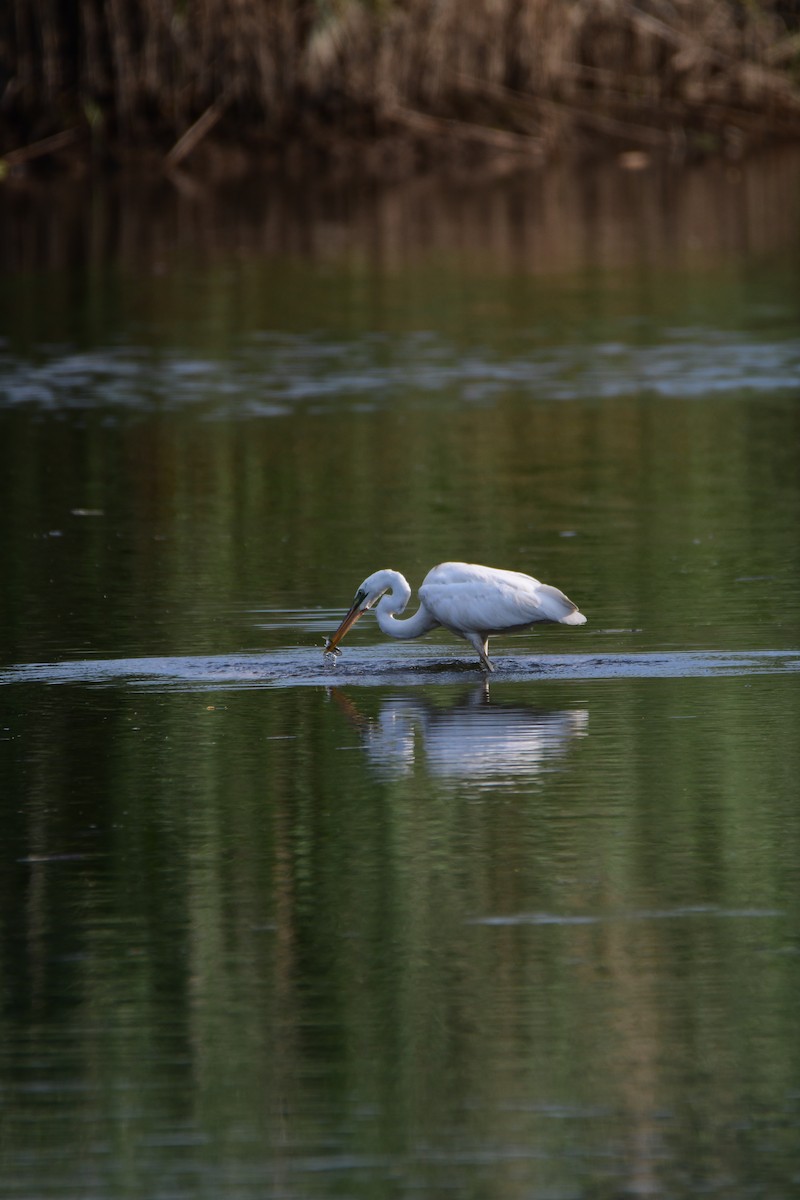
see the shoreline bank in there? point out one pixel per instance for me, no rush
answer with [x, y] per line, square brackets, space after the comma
[393, 89]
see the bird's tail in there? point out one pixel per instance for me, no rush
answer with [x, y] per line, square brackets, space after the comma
[558, 607]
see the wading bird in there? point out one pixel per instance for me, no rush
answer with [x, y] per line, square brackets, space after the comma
[471, 601]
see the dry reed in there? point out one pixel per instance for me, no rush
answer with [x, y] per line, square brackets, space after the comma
[519, 76]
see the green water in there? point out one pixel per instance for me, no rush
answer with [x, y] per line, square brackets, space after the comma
[276, 928]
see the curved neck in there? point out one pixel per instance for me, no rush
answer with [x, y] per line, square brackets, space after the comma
[412, 627]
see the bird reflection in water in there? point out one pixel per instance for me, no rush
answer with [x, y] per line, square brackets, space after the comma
[473, 739]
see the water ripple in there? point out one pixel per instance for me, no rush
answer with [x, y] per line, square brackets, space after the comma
[682, 912]
[397, 665]
[273, 374]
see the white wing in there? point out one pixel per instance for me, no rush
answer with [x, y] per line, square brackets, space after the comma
[464, 596]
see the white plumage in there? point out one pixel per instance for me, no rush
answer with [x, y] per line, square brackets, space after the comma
[473, 602]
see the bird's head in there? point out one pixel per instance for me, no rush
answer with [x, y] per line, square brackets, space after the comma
[367, 596]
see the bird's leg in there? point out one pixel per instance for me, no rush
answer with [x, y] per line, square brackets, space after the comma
[481, 645]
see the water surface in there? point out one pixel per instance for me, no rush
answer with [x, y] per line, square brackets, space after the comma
[275, 927]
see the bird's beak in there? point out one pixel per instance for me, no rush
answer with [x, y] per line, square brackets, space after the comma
[358, 610]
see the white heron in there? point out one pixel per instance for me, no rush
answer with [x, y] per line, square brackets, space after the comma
[472, 602]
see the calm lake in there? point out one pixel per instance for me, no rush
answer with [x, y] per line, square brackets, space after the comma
[276, 928]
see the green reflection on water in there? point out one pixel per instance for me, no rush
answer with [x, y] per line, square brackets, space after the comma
[249, 946]
[676, 519]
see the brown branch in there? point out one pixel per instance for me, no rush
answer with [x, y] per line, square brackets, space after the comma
[48, 145]
[466, 130]
[588, 116]
[196, 132]
[770, 80]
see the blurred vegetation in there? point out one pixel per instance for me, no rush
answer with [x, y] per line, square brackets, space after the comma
[394, 86]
